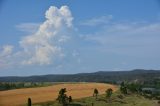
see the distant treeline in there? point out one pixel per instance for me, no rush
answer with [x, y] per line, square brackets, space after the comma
[17, 85]
[148, 78]
[154, 83]
[102, 76]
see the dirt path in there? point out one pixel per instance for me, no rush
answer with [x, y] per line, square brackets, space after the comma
[19, 96]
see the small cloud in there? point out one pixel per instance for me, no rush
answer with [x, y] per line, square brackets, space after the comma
[6, 54]
[97, 21]
[28, 27]
[6, 50]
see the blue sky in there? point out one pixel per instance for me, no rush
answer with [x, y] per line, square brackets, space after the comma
[74, 36]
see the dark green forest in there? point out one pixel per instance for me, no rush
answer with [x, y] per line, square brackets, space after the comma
[100, 76]
[147, 78]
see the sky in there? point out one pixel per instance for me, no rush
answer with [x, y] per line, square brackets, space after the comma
[39, 37]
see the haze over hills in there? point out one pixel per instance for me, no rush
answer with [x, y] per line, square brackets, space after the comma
[100, 76]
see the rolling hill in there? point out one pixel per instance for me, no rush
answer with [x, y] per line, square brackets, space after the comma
[100, 76]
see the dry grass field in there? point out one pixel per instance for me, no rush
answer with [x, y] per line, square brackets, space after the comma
[78, 90]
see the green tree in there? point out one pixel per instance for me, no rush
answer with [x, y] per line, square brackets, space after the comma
[70, 99]
[95, 93]
[109, 93]
[29, 102]
[134, 87]
[62, 97]
[123, 88]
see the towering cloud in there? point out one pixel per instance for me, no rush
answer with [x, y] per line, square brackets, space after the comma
[42, 46]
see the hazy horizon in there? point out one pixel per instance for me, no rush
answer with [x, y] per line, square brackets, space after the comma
[10, 75]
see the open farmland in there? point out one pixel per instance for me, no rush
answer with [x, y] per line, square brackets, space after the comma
[78, 90]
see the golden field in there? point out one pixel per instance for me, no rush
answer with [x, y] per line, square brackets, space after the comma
[42, 94]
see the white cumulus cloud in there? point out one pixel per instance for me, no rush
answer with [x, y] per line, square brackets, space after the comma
[44, 44]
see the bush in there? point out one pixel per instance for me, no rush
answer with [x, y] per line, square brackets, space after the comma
[109, 93]
[29, 102]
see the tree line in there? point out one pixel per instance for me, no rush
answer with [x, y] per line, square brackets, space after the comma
[17, 85]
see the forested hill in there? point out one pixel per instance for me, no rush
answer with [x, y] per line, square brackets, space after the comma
[100, 76]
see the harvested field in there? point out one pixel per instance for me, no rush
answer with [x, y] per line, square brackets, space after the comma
[78, 90]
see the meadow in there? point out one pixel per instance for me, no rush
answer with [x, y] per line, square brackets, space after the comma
[18, 97]
[127, 100]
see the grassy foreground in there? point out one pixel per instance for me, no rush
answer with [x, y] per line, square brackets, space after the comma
[127, 100]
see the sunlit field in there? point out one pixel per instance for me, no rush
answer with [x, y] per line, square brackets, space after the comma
[50, 93]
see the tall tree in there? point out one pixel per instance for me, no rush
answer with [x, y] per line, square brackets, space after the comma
[95, 93]
[123, 88]
[109, 94]
[29, 102]
[70, 99]
[62, 97]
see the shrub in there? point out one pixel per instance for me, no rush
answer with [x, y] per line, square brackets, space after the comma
[29, 102]
[95, 93]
